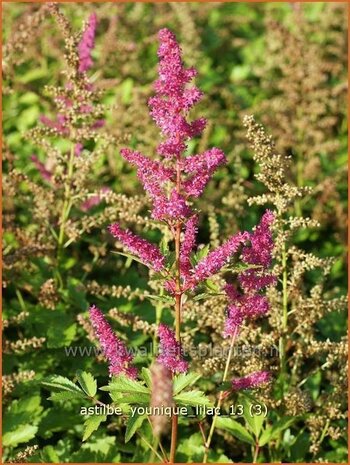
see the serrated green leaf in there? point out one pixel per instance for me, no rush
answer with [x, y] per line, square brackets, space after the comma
[92, 424]
[87, 382]
[136, 398]
[183, 380]
[133, 424]
[254, 421]
[23, 433]
[192, 398]
[201, 253]
[130, 256]
[235, 428]
[63, 384]
[206, 295]
[159, 298]
[273, 432]
[124, 384]
[147, 377]
[212, 286]
[64, 396]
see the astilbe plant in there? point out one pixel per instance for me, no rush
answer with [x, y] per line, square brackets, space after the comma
[299, 304]
[173, 182]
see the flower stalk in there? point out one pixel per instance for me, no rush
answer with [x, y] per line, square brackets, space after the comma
[221, 397]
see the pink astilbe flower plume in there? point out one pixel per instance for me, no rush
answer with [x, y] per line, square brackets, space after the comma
[253, 380]
[87, 44]
[261, 243]
[251, 304]
[187, 245]
[146, 251]
[216, 259]
[174, 100]
[114, 350]
[170, 350]
[201, 167]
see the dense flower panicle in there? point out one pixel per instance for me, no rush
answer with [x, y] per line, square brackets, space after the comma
[261, 243]
[170, 350]
[173, 100]
[146, 251]
[187, 245]
[251, 381]
[151, 173]
[201, 167]
[216, 259]
[175, 207]
[113, 348]
[255, 280]
[86, 44]
[251, 304]
[242, 306]
[233, 320]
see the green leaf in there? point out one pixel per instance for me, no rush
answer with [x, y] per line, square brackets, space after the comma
[160, 298]
[237, 430]
[146, 375]
[63, 384]
[131, 256]
[87, 382]
[133, 424]
[192, 398]
[212, 286]
[23, 433]
[124, 384]
[183, 380]
[273, 432]
[134, 398]
[206, 295]
[203, 252]
[91, 425]
[64, 396]
[254, 421]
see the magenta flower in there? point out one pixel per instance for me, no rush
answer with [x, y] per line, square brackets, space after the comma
[251, 304]
[254, 280]
[261, 243]
[173, 98]
[113, 348]
[87, 43]
[215, 260]
[233, 320]
[170, 350]
[147, 252]
[201, 167]
[187, 245]
[251, 381]
[173, 208]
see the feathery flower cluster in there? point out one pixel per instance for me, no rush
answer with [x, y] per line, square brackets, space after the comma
[147, 252]
[113, 348]
[251, 381]
[170, 185]
[187, 245]
[170, 350]
[61, 124]
[215, 260]
[174, 99]
[86, 44]
[251, 304]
